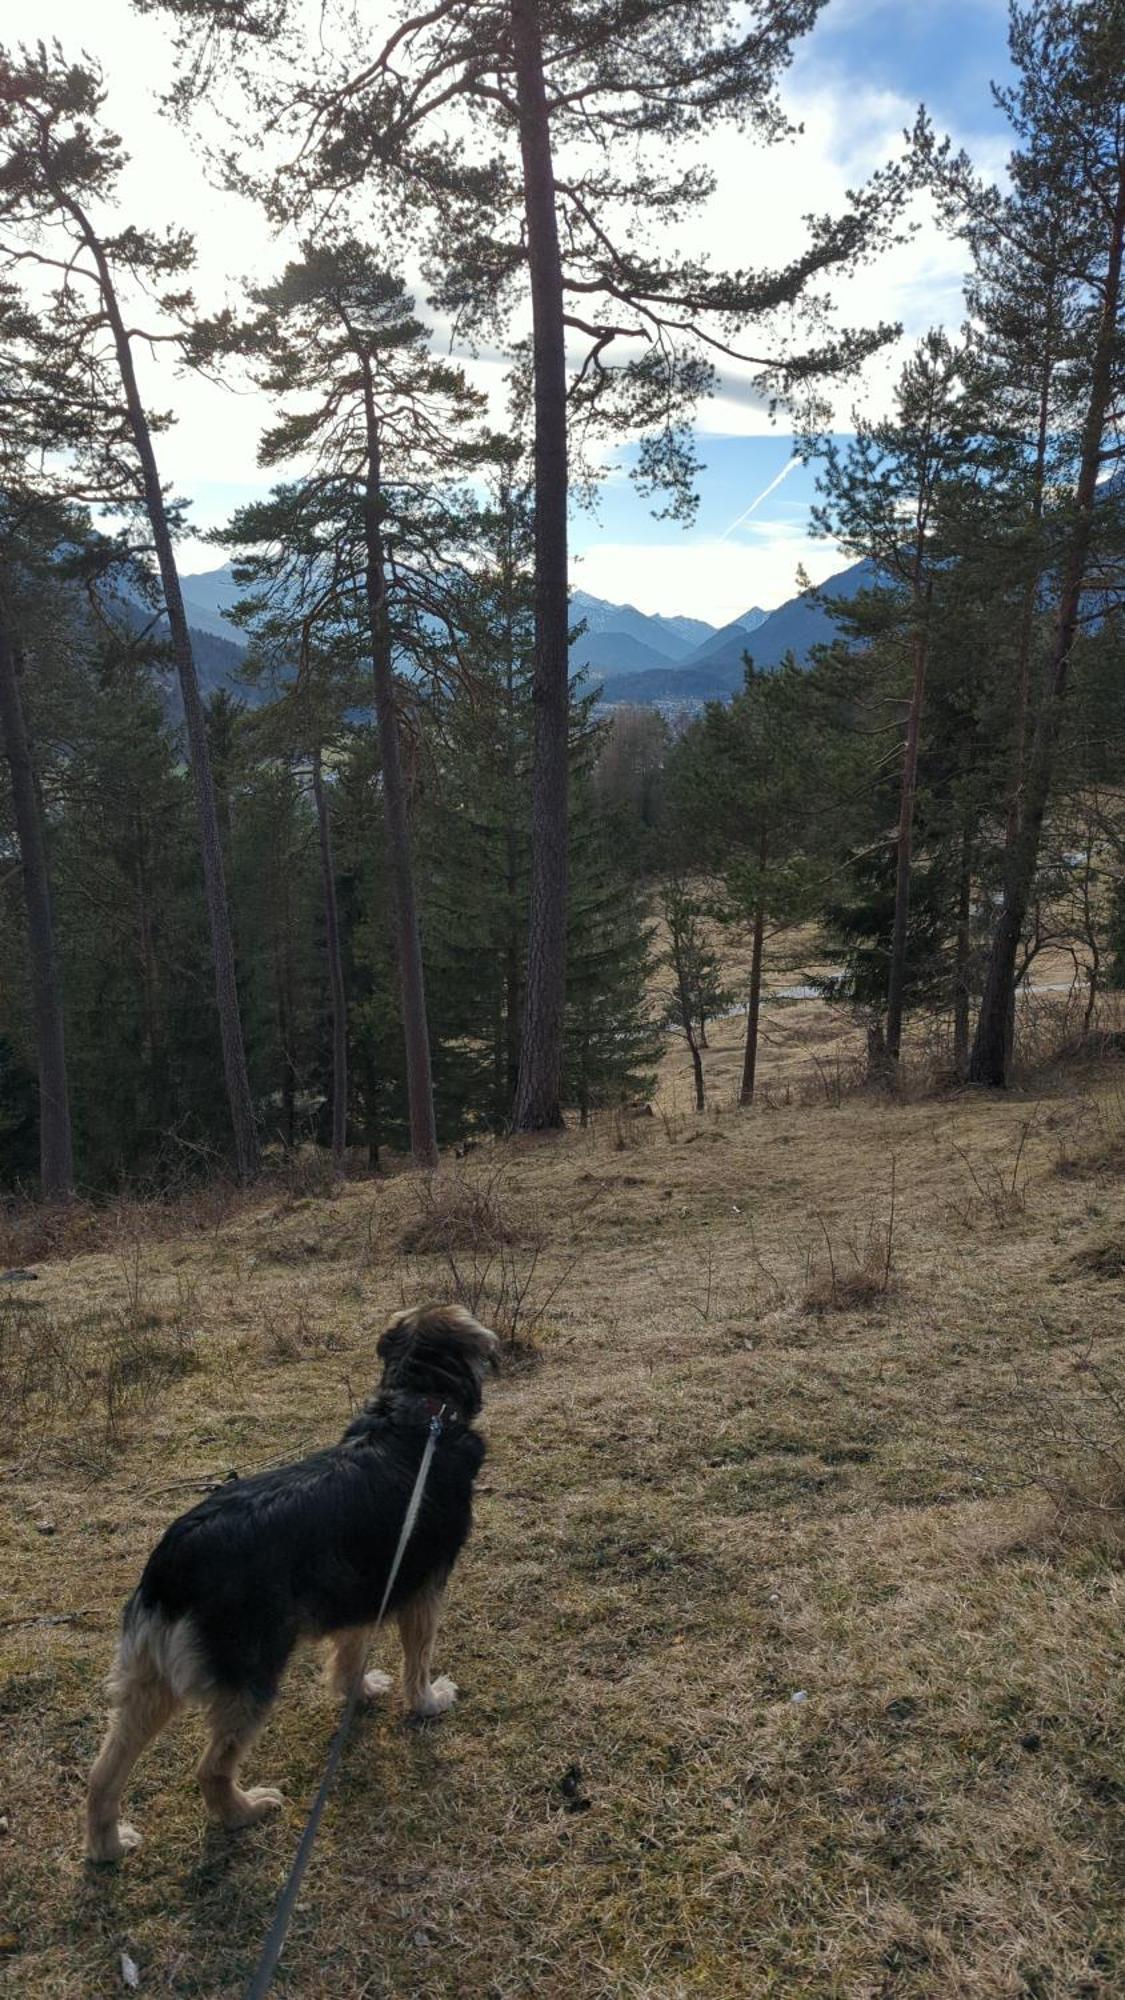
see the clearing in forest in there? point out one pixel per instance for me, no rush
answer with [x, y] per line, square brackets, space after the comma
[781, 1672]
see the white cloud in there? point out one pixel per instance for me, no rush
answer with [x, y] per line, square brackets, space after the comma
[754, 220]
[703, 577]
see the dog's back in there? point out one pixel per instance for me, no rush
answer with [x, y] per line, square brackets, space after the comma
[306, 1549]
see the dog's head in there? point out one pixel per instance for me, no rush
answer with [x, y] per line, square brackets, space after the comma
[439, 1351]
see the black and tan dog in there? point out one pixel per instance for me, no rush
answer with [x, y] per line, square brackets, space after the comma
[300, 1552]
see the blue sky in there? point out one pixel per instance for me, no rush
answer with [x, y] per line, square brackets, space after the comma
[856, 81]
[944, 54]
[939, 52]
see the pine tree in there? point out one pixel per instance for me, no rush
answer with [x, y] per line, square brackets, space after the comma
[61, 168]
[694, 986]
[536, 216]
[883, 500]
[740, 781]
[386, 420]
[612, 1047]
[42, 424]
[475, 830]
[56, 1150]
[1067, 116]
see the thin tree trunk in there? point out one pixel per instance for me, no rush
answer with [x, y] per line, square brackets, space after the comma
[539, 1097]
[335, 969]
[150, 979]
[412, 985]
[371, 1127]
[56, 1151]
[687, 1018]
[1030, 597]
[285, 1036]
[283, 994]
[992, 1049]
[1094, 964]
[961, 958]
[218, 911]
[750, 1053]
[512, 1002]
[697, 1072]
[896, 982]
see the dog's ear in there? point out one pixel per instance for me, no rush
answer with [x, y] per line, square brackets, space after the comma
[395, 1336]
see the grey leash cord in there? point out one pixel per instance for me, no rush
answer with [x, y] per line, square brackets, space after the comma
[287, 1901]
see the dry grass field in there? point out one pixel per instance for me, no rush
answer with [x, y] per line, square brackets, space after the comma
[790, 1662]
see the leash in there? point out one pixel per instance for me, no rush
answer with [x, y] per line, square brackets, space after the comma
[287, 1901]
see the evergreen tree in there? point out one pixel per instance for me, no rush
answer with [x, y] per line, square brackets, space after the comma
[741, 781]
[22, 553]
[612, 1049]
[694, 988]
[540, 216]
[883, 501]
[386, 421]
[475, 829]
[1067, 116]
[61, 168]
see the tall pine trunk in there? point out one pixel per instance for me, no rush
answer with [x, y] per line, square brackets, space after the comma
[896, 981]
[237, 1080]
[961, 993]
[411, 978]
[992, 1048]
[696, 1067]
[512, 1002]
[335, 968]
[539, 1096]
[56, 1153]
[1030, 599]
[753, 1014]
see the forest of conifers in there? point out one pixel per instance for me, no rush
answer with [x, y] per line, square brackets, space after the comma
[410, 882]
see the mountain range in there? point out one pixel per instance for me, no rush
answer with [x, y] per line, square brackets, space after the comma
[639, 658]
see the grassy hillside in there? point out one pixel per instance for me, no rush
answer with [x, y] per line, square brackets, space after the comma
[782, 1672]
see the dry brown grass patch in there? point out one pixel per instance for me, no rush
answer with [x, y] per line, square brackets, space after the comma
[76, 1382]
[851, 1289]
[1102, 1260]
[455, 1212]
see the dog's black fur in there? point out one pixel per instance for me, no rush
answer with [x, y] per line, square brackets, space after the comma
[304, 1552]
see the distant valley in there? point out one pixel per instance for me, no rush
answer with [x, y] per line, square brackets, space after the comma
[637, 657]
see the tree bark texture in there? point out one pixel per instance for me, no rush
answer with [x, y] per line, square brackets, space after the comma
[961, 958]
[335, 969]
[539, 1096]
[896, 980]
[56, 1152]
[753, 1013]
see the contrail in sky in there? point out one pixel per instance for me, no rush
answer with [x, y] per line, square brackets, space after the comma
[764, 495]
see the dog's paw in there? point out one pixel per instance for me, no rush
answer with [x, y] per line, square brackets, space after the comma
[439, 1696]
[249, 1807]
[114, 1844]
[375, 1683]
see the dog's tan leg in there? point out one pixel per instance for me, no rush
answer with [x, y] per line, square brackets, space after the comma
[146, 1704]
[234, 1722]
[349, 1650]
[417, 1625]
